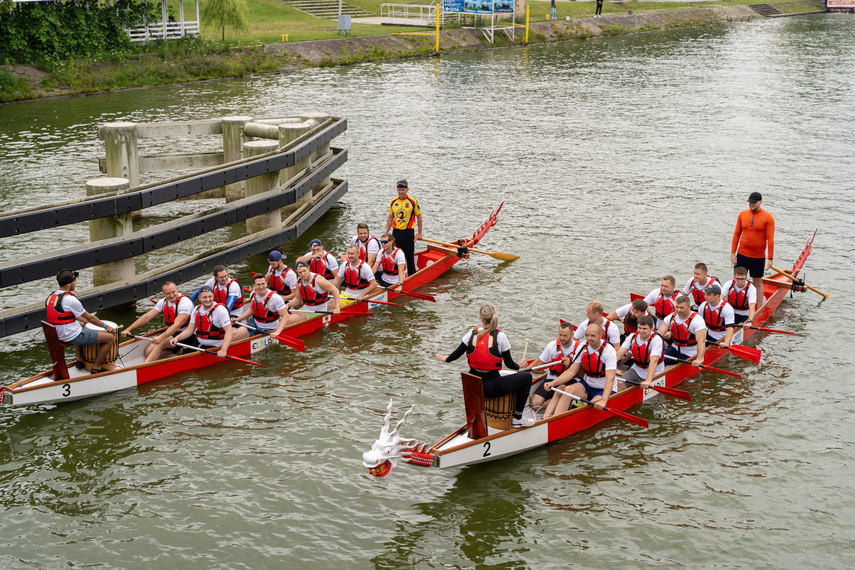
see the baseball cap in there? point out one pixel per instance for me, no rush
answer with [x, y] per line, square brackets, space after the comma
[275, 256]
[66, 276]
[755, 197]
[315, 242]
[713, 289]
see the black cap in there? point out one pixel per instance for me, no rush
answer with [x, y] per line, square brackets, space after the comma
[205, 289]
[66, 276]
[713, 289]
[755, 197]
[403, 183]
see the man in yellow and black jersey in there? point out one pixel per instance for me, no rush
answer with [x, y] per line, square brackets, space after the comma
[404, 214]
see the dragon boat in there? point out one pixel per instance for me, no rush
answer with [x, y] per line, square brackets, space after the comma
[478, 441]
[63, 382]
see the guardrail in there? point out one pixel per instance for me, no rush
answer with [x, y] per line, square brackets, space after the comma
[160, 31]
[425, 12]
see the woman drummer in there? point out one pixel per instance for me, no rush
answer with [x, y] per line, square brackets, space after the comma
[487, 347]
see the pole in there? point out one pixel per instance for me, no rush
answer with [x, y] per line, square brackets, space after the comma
[526, 25]
[438, 8]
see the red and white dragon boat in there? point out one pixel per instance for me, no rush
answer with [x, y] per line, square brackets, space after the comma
[459, 448]
[66, 383]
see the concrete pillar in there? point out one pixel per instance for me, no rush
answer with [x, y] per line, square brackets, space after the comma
[260, 184]
[120, 140]
[289, 133]
[233, 140]
[110, 227]
[316, 119]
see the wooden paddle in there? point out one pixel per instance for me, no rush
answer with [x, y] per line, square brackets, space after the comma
[764, 329]
[196, 348]
[689, 362]
[493, 254]
[409, 294]
[746, 352]
[294, 343]
[682, 394]
[791, 278]
[547, 365]
[623, 415]
[371, 301]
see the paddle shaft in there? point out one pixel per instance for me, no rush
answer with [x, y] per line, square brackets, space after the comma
[199, 349]
[791, 278]
[414, 295]
[682, 394]
[689, 362]
[493, 254]
[294, 343]
[547, 365]
[618, 413]
[370, 301]
[764, 329]
[356, 314]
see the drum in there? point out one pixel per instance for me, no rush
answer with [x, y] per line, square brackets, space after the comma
[88, 353]
[500, 411]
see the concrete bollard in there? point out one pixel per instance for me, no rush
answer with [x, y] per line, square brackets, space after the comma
[122, 156]
[233, 140]
[316, 119]
[287, 134]
[260, 184]
[110, 227]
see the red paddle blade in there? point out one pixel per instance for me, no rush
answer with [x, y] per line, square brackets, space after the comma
[294, 343]
[229, 356]
[635, 296]
[379, 302]
[682, 394]
[746, 352]
[571, 324]
[772, 330]
[628, 417]
[418, 296]
[720, 371]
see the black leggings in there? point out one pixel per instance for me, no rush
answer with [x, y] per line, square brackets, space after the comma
[496, 385]
[405, 240]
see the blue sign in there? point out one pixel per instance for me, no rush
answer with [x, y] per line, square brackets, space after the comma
[478, 6]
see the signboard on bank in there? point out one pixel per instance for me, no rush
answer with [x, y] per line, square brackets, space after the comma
[479, 6]
[840, 5]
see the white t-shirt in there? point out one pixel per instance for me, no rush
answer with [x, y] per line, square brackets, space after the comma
[691, 284]
[608, 327]
[274, 304]
[550, 354]
[696, 324]
[185, 306]
[219, 318]
[364, 272]
[726, 314]
[373, 246]
[656, 349]
[609, 357]
[290, 277]
[71, 330]
[234, 290]
[400, 258]
[752, 295]
[501, 340]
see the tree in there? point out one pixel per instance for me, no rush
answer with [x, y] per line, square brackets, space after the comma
[226, 13]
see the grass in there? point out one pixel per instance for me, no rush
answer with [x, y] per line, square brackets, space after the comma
[13, 87]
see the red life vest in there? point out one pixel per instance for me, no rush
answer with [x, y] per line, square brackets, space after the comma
[641, 353]
[222, 295]
[205, 326]
[698, 294]
[593, 364]
[664, 307]
[485, 354]
[739, 299]
[629, 328]
[170, 311]
[55, 314]
[277, 282]
[260, 311]
[319, 266]
[363, 247]
[606, 324]
[713, 318]
[353, 278]
[559, 368]
[310, 295]
[681, 334]
[388, 262]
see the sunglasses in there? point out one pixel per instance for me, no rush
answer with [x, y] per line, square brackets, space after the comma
[384, 241]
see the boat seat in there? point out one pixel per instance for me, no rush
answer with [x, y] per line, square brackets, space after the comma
[57, 351]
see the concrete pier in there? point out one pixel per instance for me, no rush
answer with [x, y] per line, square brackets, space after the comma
[233, 141]
[260, 184]
[110, 227]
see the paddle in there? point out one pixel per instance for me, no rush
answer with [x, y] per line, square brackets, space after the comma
[370, 301]
[196, 348]
[623, 415]
[547, 365]
[682, 394]
[354, 314]
[294, 343]
[746, 352]
[791, 278]
[409, 294]
[764, 329]
[712, 369]
[493, 254]
[635, 296]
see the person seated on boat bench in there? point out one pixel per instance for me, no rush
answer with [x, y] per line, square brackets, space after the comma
[176, 310]
[280, 277]
[487, 347]
[358, 278]
[644, 347]
[65, 312]
[563, 347]
[320, 261]
[629, 315]
[210, 325]
[314, 293]
[686, 329]
[266, 308]
[594, 312]
[695, 287]
[227, 291]
[390, 267]
[718, 316]
[598, 360]
[369, 246]
[741, 294]
[661, 301]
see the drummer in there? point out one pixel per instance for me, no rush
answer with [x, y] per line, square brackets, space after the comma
[66, 313]
[487, 347]
[175, 308]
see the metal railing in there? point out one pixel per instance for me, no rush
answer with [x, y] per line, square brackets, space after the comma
[159, 31]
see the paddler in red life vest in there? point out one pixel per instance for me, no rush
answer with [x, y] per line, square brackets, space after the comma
[487, 348]
[320, 261]
[718, 316]
[390, 268]
[280, 277]
[598, 360]
[176, 310]
[227, 291]
[661, 301]
[686, 329]
[629, 315]
[357, 276]
[265, 307]
[369, 246]
[210, 325]
[594, 312]
[741, 294]
[561, 348]
[314, 293]
[700, 280]
[645, 349]
[65, 312]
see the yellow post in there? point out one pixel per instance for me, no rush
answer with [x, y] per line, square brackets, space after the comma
[526, 25]
[438, 8]
[283, 38]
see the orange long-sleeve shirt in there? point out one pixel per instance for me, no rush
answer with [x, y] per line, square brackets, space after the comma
[754, 234]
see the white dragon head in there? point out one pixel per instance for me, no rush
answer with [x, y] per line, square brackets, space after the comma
[389, 447]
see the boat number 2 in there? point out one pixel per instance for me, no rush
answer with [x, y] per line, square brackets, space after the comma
[487, 449]
[66, 389]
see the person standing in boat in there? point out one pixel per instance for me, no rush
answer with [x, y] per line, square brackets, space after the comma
[280, 277]
[644, 349]
[65, 312]
[358, 278]
[227, 291]
[320, 260]
[742, 296]
[369, 246]
[267, 309]
[314, 293]
[629, 315]
[561, 349]
[210, 325]
[404, 214]
[753, 243]
[718, 316]
[594, 312]
[487, 348]
[390, 268]
[695, 287]
[662, 300]
[598, 360]
[176, 310]
[686, 329]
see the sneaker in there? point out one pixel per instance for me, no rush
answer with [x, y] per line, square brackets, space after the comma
[97, 371]
[522, 422]
[80, 365]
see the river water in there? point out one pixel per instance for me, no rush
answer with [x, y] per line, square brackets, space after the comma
[619, 160]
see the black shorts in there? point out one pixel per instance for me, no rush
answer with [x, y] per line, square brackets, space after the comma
[755, 265]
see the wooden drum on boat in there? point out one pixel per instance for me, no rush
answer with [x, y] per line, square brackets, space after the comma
[88, 353]
[500, 411]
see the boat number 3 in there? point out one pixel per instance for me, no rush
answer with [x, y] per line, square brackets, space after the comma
[487, 449]
[66, 389]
